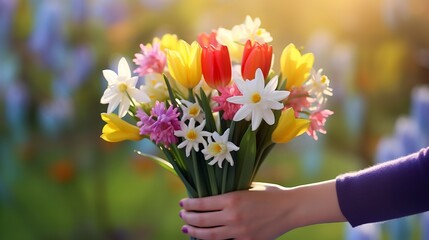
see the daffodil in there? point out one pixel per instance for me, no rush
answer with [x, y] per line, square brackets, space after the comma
[117, 130]
[192, 136]
[121, 89]
[289, 127]
[294, 66]
[258, 100]
[220, 149]
[192, 110]
[184, 64]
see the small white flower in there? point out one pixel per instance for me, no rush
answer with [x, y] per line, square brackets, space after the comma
[155, 87]
[121, 87]
[250, 29]
[258, 100]
[192, 110]
[239, 34]
[220, 149]
[318, 86]
[192, 135]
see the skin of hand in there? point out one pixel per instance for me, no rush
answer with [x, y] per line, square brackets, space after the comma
[266, 211]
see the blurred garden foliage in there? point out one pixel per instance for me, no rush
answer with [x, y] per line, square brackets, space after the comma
[59, 180]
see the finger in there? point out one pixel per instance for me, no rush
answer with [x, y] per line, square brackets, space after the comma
[203, 219]
[207, 233]
[214, 203]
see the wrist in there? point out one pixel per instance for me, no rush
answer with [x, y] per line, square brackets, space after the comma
[313, 204]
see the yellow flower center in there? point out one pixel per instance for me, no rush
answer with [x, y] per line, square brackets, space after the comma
[216, 149]
[323, 79]
[194, 111]
[191, 135]
[256, 97]
[122, 87]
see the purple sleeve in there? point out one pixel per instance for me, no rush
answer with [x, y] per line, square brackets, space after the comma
[390, 190]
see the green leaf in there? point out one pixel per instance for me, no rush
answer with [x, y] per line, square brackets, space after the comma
[201, 190]
[163, 163]
[246, 159]
[189, 186]
[170, 91]
[205, 104]
[212, 179]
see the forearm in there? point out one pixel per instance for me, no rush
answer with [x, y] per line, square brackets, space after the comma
[390, 190]
[313, 204]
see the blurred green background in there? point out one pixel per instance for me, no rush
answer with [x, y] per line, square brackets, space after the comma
[59, 180]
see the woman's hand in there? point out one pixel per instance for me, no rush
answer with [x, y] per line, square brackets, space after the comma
[258, 213]
[264, 212]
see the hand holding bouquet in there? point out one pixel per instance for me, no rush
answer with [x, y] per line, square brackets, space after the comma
[215, 107]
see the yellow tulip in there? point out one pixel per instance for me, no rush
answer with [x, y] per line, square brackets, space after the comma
[117, 130]
[289, 127]
[184, 63]
[294, 66]
[168, 41]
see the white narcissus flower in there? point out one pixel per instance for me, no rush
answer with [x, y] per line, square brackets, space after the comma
[236, 38]
[250, 29]
[258, 100]
[121, 89]
[220, 149]
[155, 87]
[318, 86]
[192, 110]
[192, 135]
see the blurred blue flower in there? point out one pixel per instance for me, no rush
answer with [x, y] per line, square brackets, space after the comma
[47, 35]
[312, 157]
[109, 11]
[354, 108]
[16, 101]
[9, 67]
[424, 225]
[399, 229]
[80, 64]
[79, 10]
[55, 115]
[369, 231]
[388, 149]
[420, 109]
[408, 134]
[7, 11]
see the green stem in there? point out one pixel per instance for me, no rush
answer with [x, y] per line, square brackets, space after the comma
[191, 95]
[197, 174]
[212, 180]
[224, 178]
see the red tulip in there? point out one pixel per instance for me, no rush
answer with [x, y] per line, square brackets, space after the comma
[206, 40]
[216, 66]
[254, 57]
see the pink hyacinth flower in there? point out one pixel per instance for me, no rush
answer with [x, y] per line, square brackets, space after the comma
[160, 125]
[151, 60]
[229, 109]
[298, 100]
[317, 122]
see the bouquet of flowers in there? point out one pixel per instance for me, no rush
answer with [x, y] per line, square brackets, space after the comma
[213, 100]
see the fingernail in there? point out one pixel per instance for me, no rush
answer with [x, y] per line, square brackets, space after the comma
[184, 230]
[181, 204]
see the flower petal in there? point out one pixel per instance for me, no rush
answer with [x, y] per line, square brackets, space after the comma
[110, 76]
[123, 68]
